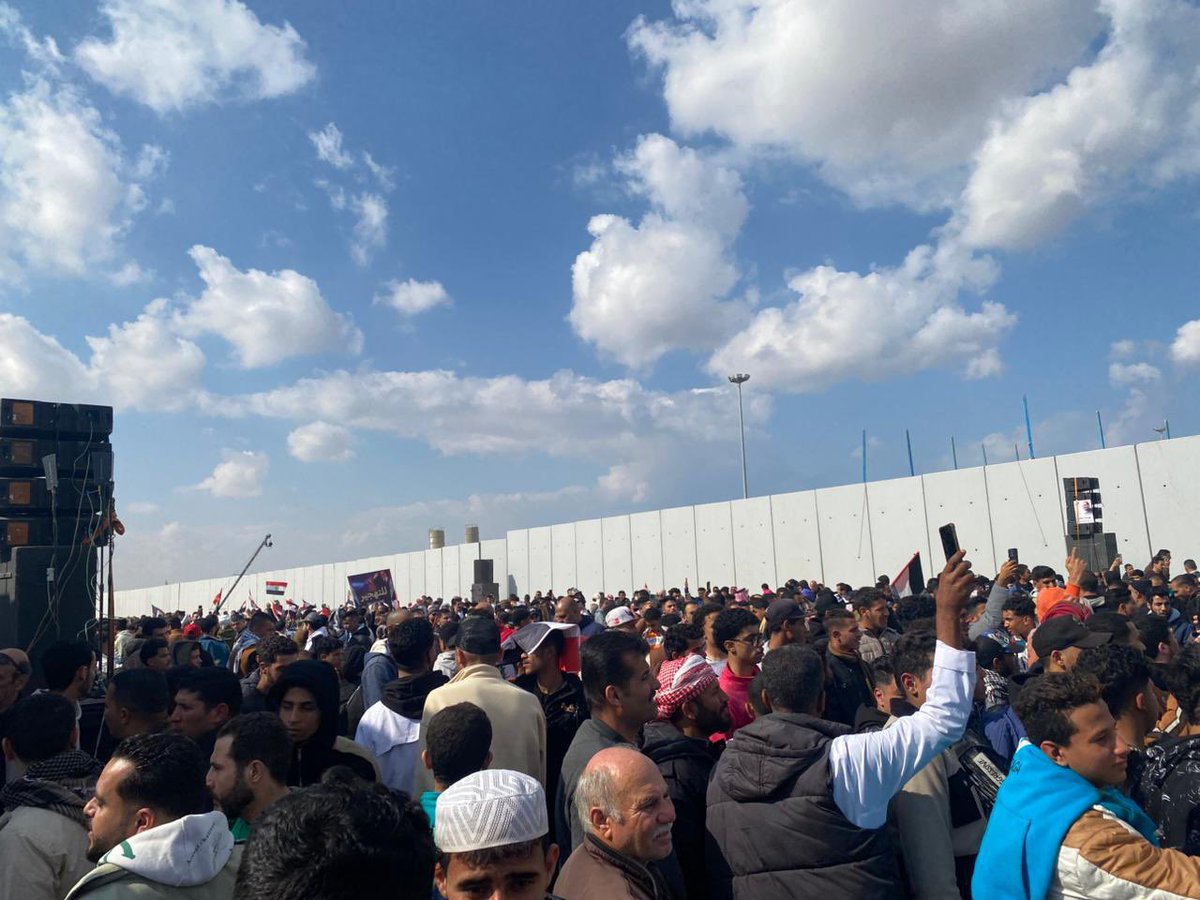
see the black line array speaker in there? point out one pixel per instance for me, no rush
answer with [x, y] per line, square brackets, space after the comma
[25, 618]
[483, 571]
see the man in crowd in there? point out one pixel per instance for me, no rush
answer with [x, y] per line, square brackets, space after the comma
[1019, 618]
[937, 819]
[136, 702]
[621, 617]
[445, 662]
[627, 814]
[737, 632]
[620, 689]
[691, 709]
[883, 686]
[339, 841]
[43, 833]
[492, 835]
[1060, 826]
[211, 644]
[248, 768]
[849, 678]
[1125, 687]
[149, 833]
[876, 639]
[355, 630]
[391, 728]
[1059, 642]
[274, 653]
[796, 805]
[521, 744]
[241, 658]
[458, 742]
[563, 703]
[306, 698]
[1159, 640]
[205, 699]
[567, 611]
[784, 624]
[69, 668]
[378, 666]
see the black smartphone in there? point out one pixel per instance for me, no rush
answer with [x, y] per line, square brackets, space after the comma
[1012, 555]
[949, 535]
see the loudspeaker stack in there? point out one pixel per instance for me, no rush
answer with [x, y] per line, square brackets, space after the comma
[56, 480]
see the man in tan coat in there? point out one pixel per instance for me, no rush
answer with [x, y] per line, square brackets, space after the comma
[518, 724]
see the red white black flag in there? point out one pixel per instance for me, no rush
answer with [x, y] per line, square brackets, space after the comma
[911, 579]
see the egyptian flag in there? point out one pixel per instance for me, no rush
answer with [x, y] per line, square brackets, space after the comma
[289, 604]
[217, 599]
[911, 579]
[530, 637]
[276, 588]
[277, 611]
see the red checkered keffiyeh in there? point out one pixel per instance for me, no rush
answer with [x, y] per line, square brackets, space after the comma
[681, 680]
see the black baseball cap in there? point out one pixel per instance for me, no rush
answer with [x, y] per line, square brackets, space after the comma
[478, 635]
[781, 611]
[1062, 632]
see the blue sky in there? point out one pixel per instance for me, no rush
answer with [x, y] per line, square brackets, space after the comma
[349, 272]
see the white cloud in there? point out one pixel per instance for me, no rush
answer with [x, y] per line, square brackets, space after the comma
[131, 273]
[266, 317]
[1126, 374]
[889, 100]
[63, 202]
[328, 144]
[412, 297]
[174, 54]
[383, 174]
[240, 475]
[1185, 350]
[137, 365]
[321, 442]
[143, 364]
[507, 414]
[140, 508]
[903, 319]
[1129, 119]
[152, 161]
[370, 230]
[644, 290]
[44, 52]
[1122, 349]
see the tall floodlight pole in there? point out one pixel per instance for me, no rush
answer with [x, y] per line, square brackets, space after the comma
[739, 379]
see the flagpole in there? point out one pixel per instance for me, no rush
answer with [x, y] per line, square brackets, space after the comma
[908, 440]
[1028, 427]
[1100, 425]
[953, 452]
[266, 542]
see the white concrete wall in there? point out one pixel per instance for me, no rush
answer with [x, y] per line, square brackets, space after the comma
[1149, 496]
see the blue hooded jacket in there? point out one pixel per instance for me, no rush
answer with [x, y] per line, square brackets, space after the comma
[1037, 804]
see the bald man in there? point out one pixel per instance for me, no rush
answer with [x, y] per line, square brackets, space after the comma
[567, 610]
[627, 814]
[21, 661]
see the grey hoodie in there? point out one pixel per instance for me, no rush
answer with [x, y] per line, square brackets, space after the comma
[193, 857]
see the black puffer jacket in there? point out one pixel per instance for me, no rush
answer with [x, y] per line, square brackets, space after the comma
[773, 828]
[686, 765]
[1168, 789]
[318, 753]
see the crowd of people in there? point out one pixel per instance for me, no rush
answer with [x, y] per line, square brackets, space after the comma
[1033, 735]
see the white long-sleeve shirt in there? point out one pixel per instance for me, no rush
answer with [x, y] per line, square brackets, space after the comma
[868, 769]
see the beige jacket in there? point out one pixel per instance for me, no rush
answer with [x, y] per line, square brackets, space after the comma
[518, 724]
[42, 854]
[927, 837]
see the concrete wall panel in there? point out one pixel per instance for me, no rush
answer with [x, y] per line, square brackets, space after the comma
[679, 547]
[618, 558]
[518, 562]
[714, 545]
[897, 520]
[645, 530]
[541, 565]
[1025, 499]
[959, 497]
[433, 574]
[797, 541]
[1172, 495]
[589, 556]
[497, 551]
[753, 544]
[451, 572]
[845, 535]
[1120, 497]
[562, 556]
